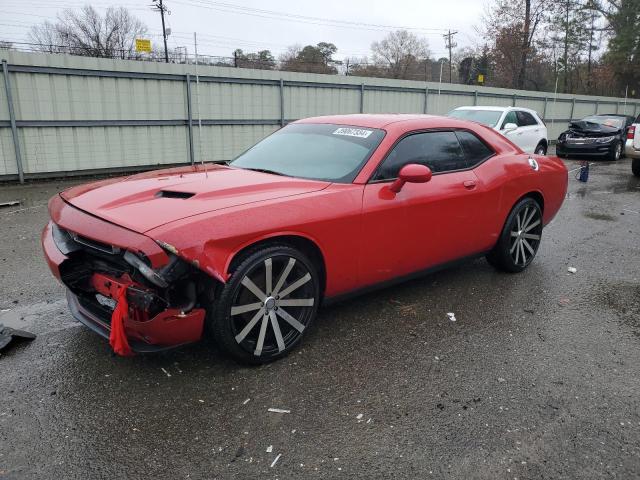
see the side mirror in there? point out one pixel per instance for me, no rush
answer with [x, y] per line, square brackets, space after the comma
[412, 173]
[509, 127]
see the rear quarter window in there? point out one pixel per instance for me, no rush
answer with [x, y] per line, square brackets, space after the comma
[475, 150]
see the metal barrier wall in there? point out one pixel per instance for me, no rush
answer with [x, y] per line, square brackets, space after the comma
[64, 115]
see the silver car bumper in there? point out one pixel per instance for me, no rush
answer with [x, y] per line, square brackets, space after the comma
[630, 151]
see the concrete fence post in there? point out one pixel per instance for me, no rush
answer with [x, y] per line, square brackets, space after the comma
[597, 106]
[573, 107]
[513, 101]
[362, 98]
[475, 98]
[12, 120]
[617, 107]
[544, 110]
[190, 119]
[281, 102]
[425, 108]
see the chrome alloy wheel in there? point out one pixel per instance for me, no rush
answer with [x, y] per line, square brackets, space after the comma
[525, 235]
[270, 310]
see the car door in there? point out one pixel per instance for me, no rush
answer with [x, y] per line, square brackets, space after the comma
[424, 224]
[529, 130]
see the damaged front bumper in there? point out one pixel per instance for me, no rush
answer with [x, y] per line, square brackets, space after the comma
[163, 292]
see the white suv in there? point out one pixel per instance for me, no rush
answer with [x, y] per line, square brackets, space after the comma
[633, 146]
[520, 125]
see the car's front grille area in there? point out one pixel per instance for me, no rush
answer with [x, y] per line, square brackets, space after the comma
[92, 305]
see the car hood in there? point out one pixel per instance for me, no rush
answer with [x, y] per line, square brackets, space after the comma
[146, 201]
[590, 129]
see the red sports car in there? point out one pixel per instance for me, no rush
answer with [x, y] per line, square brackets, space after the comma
[246, 252]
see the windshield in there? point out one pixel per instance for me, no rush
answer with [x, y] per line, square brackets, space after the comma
[615, 122]
[486, 117]
[334, 153]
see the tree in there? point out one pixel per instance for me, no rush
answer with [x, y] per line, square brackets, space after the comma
[521, 20]
[262, 60]
[86, 32]
[623, 51]
[400, 52]
[312, 59]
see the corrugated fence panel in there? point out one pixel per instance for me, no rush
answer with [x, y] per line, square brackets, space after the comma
[67, 149]
[300, 102]
[80, 113]
[7, 157]
[62, 97]
[235, 101]
[377, 101]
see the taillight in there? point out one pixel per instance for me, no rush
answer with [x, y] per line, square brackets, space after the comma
[631, 131]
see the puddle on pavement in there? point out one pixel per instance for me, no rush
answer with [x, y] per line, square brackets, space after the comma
[600, 216]
[623, 298]
[41, 317]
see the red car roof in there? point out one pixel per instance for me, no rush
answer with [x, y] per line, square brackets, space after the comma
[382, 120]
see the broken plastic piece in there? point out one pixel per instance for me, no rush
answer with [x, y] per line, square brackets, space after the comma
[275, 460]
[278, 410]
[572, 270]
[452, 316]
[7, 334]
[11, 203]
[270, 449]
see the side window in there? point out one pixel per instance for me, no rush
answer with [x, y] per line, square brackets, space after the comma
[440, 151]
[510, 118]
[525, 119]
[475, 150]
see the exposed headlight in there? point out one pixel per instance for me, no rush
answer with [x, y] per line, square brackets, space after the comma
[605, 139]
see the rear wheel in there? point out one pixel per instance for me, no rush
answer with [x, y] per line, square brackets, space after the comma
[520, 238]
[635, 166]
[267, 305]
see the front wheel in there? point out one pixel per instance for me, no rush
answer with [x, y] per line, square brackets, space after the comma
[520, 238]
[616, 152]
[267, 305]
[541, 149]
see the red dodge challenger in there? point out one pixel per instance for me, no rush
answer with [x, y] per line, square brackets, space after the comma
[246, 252]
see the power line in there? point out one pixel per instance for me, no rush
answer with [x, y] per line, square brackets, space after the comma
[271, 14]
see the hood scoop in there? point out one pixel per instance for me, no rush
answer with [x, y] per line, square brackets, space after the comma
[174, 194]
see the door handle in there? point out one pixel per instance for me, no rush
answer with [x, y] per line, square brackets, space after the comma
[469, 184]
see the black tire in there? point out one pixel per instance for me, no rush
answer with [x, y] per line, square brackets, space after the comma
[616, 152]
[517, 247]
[541, 149]
[238, 334]
[635, 166]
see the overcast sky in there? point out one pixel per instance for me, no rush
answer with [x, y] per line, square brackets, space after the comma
[222, 27]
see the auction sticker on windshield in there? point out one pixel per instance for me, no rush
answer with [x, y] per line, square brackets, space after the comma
[353, 132]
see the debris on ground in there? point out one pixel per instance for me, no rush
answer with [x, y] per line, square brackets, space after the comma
[246, 401]
[275, 460]
[167, 373]
[11, 203]
[7, 334]
[572, 270]
[278, 410]
[501, 380]
[270, 449]
[359, 416]
[452, 316]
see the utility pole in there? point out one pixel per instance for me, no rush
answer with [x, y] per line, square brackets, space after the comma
[157, 4]
[450, 44]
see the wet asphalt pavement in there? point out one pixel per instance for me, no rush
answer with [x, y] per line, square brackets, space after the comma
[538, 377]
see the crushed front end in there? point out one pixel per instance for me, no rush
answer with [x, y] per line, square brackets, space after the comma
[162, 297]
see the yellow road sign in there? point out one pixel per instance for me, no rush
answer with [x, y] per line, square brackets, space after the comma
[143, 45]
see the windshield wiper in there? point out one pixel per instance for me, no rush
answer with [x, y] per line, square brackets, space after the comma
[264, 170]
